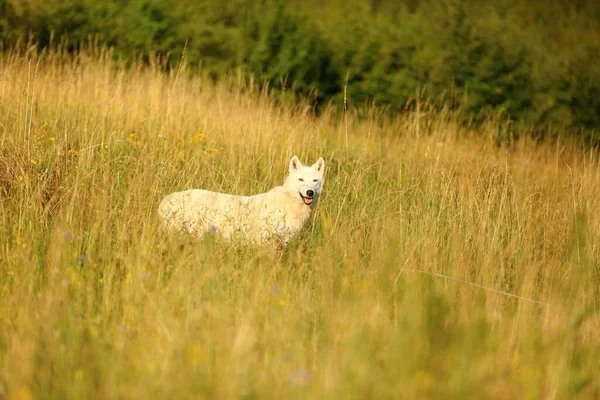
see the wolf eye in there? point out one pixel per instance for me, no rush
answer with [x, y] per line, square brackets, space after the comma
[314, 180]
[301, 180]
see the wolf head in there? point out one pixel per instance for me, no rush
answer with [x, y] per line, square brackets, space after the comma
[305, 180]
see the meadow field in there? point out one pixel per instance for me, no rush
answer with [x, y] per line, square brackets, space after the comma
[443, 261]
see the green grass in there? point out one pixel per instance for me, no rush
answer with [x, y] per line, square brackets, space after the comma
[96, 303]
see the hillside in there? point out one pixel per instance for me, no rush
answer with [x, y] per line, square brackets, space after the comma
[442, 261]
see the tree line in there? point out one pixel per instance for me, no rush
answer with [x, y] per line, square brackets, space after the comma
[536, 63]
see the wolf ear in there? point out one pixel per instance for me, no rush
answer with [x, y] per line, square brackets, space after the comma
[295, 163]
[319, 165]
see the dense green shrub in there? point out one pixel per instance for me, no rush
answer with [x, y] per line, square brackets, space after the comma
[536, 63]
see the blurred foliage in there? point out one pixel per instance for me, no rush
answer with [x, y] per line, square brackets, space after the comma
[537, 63]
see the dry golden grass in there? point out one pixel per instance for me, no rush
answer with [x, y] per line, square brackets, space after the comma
[95, 302]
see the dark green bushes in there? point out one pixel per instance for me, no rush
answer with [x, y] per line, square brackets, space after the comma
[535, 63]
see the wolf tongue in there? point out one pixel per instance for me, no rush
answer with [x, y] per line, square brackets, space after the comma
[307, 200]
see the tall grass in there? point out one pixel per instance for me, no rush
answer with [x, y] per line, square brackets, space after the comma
[403, 285]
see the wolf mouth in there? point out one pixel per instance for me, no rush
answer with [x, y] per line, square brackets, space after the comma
[307, 200]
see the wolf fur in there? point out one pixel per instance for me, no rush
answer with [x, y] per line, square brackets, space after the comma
[277, 215]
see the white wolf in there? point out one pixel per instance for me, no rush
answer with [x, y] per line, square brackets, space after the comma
[277, 215]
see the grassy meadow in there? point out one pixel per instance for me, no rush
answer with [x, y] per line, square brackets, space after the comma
[440, 263]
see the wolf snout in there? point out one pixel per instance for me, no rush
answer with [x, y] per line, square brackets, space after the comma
[310, 193]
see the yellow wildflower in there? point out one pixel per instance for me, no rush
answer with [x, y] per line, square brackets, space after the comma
[198, 137]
